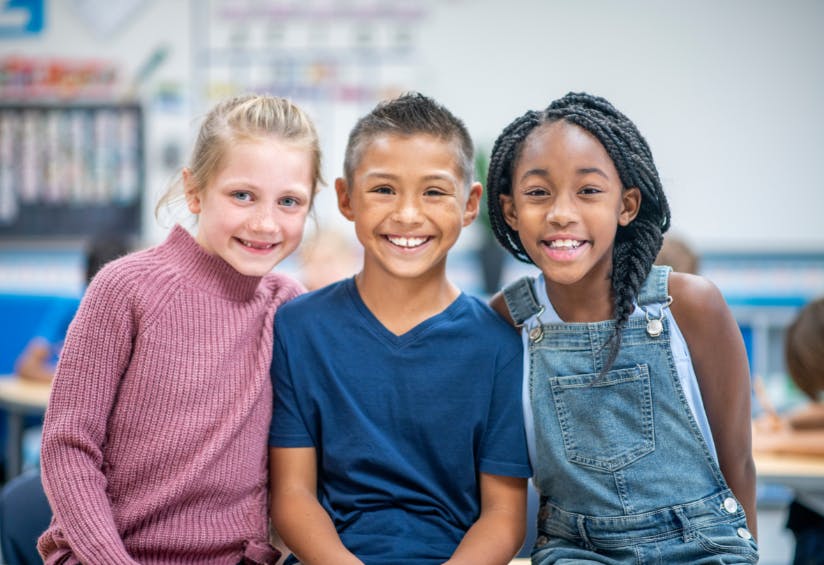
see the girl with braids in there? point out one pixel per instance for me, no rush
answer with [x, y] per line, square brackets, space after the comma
[636, 384]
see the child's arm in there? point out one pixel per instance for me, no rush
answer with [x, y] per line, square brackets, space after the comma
[720, 361]
[499, 532]
[95, 355]
[784, 439]
[808, 417]
[33, 364]
[299, 519]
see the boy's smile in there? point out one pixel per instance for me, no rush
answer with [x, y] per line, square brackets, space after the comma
[409, 203]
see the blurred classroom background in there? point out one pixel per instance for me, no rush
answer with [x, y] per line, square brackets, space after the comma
[100, 100]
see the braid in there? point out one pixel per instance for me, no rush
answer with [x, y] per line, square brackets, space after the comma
[637, 244]
[499, 180]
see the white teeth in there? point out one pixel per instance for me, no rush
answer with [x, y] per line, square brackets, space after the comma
[253, 246]
[564, 244]
[407, 241]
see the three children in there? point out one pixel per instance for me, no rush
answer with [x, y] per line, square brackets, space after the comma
[398, 428]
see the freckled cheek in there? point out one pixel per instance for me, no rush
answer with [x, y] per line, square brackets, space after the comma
[292, 225]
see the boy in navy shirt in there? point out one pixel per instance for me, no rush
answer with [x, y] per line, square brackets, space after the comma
[397, 435]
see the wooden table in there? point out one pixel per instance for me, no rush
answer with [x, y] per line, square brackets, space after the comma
[795, 471]
[20, 398]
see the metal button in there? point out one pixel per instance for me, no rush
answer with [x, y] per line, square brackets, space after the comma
[743, 533]
[541, 541]
[730, 505]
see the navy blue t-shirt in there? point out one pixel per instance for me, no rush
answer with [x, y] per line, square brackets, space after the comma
[402, 425]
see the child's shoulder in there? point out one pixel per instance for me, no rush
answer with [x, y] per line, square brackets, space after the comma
[132, 270]
[283, 287]
[696, 300]
[486, 320]
[309, 304]
[694, 291]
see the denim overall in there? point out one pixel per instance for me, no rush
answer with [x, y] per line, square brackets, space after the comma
[624, 474]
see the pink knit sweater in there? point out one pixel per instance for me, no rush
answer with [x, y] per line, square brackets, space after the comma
[155, 438]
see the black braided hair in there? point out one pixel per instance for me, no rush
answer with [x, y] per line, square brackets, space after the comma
[637, 244]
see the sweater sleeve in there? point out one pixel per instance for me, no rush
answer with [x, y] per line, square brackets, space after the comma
[95, 355]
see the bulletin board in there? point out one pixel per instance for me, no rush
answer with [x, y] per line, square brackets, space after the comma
[313, 51]
[70, 170]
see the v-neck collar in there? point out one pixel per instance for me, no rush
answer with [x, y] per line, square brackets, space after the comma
[400, 341]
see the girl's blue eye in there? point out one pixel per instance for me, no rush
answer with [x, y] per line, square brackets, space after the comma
[242, 195]
[289, 202]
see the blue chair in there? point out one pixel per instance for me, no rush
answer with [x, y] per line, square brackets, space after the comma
[24, 515]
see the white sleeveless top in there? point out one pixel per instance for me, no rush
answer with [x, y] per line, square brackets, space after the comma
[680, 355]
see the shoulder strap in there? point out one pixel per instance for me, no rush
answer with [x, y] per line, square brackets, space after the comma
[521, 300]
[655, 288]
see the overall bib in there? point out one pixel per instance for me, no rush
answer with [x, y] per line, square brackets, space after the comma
[624, 473]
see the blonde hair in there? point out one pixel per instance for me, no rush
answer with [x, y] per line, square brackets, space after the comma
[245, 118]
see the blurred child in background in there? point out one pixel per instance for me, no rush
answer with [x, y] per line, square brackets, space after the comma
[802, 430]
[36, 363]
[326, 256]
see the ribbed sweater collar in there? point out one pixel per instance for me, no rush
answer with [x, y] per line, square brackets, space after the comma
[206, 272]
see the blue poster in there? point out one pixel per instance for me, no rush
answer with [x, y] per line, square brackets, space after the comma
[20, 17]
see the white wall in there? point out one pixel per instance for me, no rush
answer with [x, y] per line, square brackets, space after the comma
[729, 94]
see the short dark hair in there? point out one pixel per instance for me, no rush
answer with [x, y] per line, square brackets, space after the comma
[804, 349]
[637, 244]
[101, 251]
[410, 114]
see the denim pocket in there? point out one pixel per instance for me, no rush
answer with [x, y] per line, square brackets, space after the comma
[723, 539]
[606, 420]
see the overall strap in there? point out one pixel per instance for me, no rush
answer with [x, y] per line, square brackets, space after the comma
[654, 290]
[521, 300]
[654, 298]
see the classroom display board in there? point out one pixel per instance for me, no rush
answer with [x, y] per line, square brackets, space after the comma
[70, 170]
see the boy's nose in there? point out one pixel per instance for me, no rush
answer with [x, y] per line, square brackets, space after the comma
[408, 212]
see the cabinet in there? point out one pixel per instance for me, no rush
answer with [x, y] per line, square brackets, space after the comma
[70, 170]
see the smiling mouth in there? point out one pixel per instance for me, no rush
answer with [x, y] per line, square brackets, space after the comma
[256, 245]
[566, 244]
[407, 242]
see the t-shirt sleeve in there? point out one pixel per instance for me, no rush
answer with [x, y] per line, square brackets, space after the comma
[504, 450]
[288, 427]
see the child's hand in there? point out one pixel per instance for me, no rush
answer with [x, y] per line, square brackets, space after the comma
[768, 433]
[808, 417]
[777, 435]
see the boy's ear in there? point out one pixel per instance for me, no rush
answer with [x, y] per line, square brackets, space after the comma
[630, 206]
[344, 200]
[190, 192]
[473, 203]
[509, 211]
